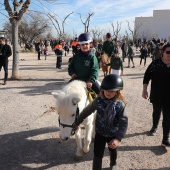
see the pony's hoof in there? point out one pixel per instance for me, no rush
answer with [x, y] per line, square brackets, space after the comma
[78, 158]
[85, 150]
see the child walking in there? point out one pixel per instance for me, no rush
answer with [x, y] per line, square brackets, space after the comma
[116, 64]
[45, 52]
[111, 120]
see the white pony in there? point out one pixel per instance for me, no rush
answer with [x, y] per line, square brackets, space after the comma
[71, 100]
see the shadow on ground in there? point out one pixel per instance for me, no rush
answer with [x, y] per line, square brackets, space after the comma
[19, 152]
[57, 84]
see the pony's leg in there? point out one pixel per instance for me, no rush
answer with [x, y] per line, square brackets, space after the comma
[78, 139]
[87, 137]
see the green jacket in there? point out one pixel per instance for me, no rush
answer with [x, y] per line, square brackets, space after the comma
[108, 47]
[99, 47]
[85, 67]
[116, 63]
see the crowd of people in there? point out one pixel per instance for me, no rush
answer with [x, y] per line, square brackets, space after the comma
[111, 120]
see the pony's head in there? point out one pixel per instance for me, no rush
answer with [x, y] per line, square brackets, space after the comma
[68, 111]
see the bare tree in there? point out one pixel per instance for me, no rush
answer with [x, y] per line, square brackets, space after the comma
[87, 21]
[134, 32]
[60, 28]
[30, 29]
[15, 11]
[116, 30]
[97, 33]
[15, 15]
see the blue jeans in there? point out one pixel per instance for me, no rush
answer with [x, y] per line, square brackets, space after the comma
[5, 66]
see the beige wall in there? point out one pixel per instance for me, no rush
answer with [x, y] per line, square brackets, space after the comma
[157, 26]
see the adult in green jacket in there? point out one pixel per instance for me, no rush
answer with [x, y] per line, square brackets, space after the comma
[108, 45]
[84, 65]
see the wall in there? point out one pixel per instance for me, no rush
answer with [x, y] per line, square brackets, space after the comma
[157, 26]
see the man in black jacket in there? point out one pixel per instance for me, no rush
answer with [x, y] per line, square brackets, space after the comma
[5, 52]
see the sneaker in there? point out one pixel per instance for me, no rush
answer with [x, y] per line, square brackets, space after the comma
[128, 67]
[153, 131]
[133, 67]
[165, 143]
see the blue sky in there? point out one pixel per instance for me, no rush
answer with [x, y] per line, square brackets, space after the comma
[105, 11]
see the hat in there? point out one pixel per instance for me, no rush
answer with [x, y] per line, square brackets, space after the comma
[108, 35]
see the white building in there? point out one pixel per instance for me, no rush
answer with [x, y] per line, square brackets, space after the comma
[157, 26]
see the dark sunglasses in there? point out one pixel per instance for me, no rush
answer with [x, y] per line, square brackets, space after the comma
[167, 52]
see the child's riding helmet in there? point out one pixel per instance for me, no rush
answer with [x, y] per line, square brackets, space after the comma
[85, 38]
[112, 82]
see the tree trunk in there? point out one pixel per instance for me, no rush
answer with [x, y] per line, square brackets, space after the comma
[15, 68]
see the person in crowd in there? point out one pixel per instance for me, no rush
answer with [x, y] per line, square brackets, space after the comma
[130, 54]
[99, 51]
[38, 49]
[144, 54]
[158, 51]
[111, 120]
[76, 52]
[100, 46]
[116, 64]
[45, 52]
[59, 52]
[5, 52]
[108, 45]
[66, 48]
[84, 65]
[52, 44]
[124, 48]
[93, 49]
[159, 74]
[73, 45]
[45, 42]
[41, 46]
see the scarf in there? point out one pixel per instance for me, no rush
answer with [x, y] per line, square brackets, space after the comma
[110, 112]
[85, 54]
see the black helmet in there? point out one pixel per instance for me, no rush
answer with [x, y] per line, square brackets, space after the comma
[84, 38]
[112, 82]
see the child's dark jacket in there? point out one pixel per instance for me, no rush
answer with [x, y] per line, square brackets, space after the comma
[117, 128]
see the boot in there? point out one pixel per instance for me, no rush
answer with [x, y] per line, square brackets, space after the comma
[4, 82]
[97, 163]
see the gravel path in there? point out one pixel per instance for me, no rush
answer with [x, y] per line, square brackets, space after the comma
[29, 127]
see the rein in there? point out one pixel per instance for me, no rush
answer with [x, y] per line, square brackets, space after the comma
[70, 126]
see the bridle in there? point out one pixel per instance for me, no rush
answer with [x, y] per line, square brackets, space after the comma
[70, 126]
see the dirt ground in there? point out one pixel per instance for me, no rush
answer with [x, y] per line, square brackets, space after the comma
[29, 125]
